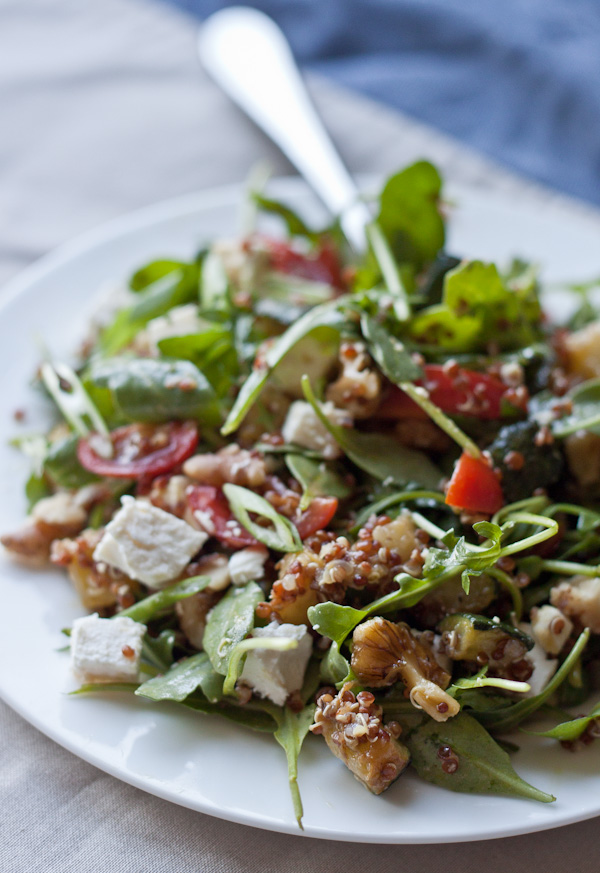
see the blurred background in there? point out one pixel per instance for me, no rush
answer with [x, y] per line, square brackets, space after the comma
[105, 108]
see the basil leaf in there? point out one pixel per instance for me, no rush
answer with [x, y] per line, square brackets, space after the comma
[393, 359]
[229, 622]
[325, 318]
[377, 454]
[508, 718]
[317, 479]
[409, 214]
[161, 601]
[569, 731]
[283, 536]
[291, 731]
[150, 390]
[483, 767]
[183, 679]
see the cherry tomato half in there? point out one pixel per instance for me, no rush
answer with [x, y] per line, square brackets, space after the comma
[465, 392]
[316, 516]
[323, 265]
[474, 486]
[140, 451]
[211, 509]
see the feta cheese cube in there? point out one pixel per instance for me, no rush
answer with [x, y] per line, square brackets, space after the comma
[303, 427]
[106, 649]
[148, 544]
[275, 674]
[579, 598]
[550, 628]
[179, 321]
[248, 565]
[544, 667]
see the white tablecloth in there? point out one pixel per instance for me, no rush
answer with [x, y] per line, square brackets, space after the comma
[104, 110]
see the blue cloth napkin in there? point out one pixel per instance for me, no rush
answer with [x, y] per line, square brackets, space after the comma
[519, 81]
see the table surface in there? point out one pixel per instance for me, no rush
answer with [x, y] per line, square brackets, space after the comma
[105, 110]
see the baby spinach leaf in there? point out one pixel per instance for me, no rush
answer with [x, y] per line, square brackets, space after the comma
[62, 465]
[229, 622]
[291, 731]
[317, 479]
[585, 412]
[163, 600]
[283, 536]
[36, 488]
[483, 767]
[569, 731]
[511, 716]
[153, 272]
[409, 214]
[324, 321]
[146, 389]
[378, 454]
[183, 679]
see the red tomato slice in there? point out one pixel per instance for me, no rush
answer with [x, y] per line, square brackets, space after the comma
[466, 392]
[316, 516]
[140, 451]
[321, 266]
[474, 486]
[211, 509]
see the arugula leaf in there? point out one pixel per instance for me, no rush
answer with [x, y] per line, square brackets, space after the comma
[163, 600]
[474, 559]
[283, 536]
[62, 465]
[317, 479]
[295, 225]
[409, 215]
[153, 272]
[394, 360]
[183, 679]
[585, 413]
[569, 731]
[509, 717]
[147, 389]
[479, 307]
[326, 319]
[482, 680]
[483, 767]
[334, 668]
[36, 488]
[291, 731]
[391, 273]
[377, 454]
[157, 652]
[229, 622]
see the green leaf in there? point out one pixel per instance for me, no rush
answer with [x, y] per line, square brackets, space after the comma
[214, 285]
[157, 652]
[378, 454]
[392, 276]
[569, 731]
[335, 669]
[511, 716]
[291, 731]
[585, 413]
[409, 214]
[483, 767]
[479, 307]
[295, 225]
[163, 600]
[326, 317]
[317, 478]
[481, 680]
[62, 465]
[153, 272]
[464, 557]
[283, 536]
[151, 390]
[183, 679]
[254, 716]
[36, 488]
[393, 359]
[229, 622]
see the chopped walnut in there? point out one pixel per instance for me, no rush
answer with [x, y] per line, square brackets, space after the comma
[231, 464]
[358, 388]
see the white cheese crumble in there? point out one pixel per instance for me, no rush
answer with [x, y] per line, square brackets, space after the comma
[179, 321]
[544, 667]
[248, 565]
[550, 628]
[303, 427]
[148, 544]
[106, 649]
[275, 674]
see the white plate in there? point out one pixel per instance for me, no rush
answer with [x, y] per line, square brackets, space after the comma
[204, 763]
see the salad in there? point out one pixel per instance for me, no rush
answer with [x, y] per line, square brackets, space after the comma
[352, 497]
